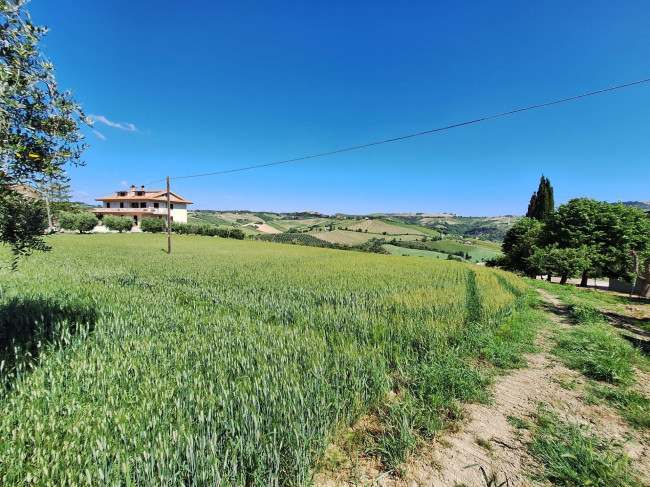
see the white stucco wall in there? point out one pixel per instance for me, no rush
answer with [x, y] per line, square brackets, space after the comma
[178, 212]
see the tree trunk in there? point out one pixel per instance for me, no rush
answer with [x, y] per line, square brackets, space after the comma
[49, 214]
[548, 276]
[564, 278]
[644, 280]
[585, 278]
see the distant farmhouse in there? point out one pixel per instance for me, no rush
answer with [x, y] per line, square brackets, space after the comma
[141, 203]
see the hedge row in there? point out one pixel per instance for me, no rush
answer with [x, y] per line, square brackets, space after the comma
[206, 230]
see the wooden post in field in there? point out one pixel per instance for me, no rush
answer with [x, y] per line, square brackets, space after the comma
[169, 220]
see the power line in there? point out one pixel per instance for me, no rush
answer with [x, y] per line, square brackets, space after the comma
[410, 136]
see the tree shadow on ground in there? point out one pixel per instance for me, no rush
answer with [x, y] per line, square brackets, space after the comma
[635, 299]
[635, 330]
[562, 311]
[29, 326]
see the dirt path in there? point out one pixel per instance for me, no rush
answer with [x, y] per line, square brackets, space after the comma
[490, 440]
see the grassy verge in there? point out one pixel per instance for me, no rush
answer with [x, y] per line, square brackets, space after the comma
[597, 351]
[633, 406]
[593, 347]
[427, 395]
[573, 456]
[570, 294]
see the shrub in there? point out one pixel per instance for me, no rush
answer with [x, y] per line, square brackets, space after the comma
[152, 225]
[236, 233]
[118, 223]
[179, 228]
[86, 222]
[207, 231]
[67, 220]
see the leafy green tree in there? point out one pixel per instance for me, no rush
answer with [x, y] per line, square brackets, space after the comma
[67, 220]
[236, 233]
[612, 234]
[22, 223]
[519, 244]
[39, 126]
[153, 225]
[628, 232]
[118, 223]
[559, 262]
[542, 202]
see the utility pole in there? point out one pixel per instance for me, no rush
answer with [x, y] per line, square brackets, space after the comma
[169, 220]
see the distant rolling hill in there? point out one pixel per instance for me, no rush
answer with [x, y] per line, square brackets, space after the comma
[439, 235]
[642, 205]
[337, 228]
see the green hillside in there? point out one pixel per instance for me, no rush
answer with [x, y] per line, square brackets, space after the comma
[419, 224]
[395, 250]
[477, 250]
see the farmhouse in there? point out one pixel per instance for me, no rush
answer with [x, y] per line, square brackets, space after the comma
[141, 203]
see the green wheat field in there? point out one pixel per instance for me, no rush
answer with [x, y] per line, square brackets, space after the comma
[227, 362]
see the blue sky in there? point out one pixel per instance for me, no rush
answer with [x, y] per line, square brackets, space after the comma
[181, 88]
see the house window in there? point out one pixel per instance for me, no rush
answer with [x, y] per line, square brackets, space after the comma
[121, 205]
[155, 205]
[134, 205]
[108, 205]
[121, 194]
[143, 205]
[140, 193]
[171, 206]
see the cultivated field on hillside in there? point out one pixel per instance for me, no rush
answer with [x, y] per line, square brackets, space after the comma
[344, 237]
[395, 250]
[378, 226]
[228, 362]
[477, 251]
[452, 226]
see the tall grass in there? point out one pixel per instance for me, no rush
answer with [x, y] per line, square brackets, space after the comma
[595, 348]
[227, 363]
[572, 455]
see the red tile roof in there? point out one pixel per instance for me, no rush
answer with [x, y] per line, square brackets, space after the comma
[153, 195]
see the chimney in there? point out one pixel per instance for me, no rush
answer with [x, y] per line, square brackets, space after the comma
[132, 190]
[142, 187]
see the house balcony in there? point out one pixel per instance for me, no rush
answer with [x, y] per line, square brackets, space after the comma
[131, 211]
[155, 211]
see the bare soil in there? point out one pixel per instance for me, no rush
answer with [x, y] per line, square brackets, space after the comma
[263, 227]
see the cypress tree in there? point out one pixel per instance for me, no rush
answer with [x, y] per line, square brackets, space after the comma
[542, 203]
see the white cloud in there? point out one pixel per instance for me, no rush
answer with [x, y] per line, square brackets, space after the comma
[129, 127]
[124, 184]
[82, 193]
[99, 134]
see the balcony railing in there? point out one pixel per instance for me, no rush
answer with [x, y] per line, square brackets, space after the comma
[147, 210]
